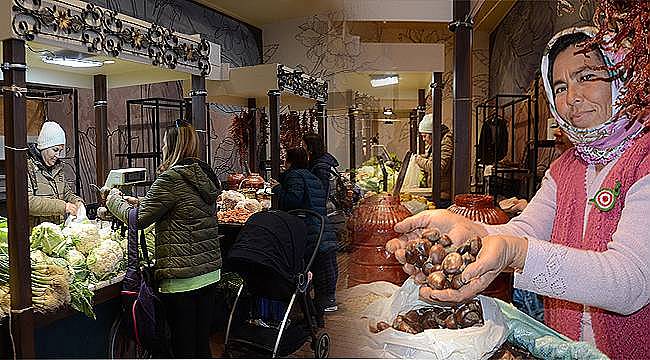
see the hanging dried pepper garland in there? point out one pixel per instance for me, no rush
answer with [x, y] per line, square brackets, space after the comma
[624, 30]
[240, 132]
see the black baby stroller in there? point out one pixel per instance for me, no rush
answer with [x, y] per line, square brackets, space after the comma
[269, 255]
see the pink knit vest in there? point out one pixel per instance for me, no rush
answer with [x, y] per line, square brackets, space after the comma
[618, 336]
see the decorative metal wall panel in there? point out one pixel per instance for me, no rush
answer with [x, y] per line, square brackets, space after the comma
[106, 32]
[241, 44]
[301, 84]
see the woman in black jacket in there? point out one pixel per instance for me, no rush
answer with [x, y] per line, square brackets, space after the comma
[321, 163]
[298, 188]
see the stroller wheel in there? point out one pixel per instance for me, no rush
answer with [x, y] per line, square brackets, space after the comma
[321, 346]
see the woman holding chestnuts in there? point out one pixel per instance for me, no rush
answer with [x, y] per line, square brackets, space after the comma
[582, 242]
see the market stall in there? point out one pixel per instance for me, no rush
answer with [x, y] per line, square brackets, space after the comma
[76, 45]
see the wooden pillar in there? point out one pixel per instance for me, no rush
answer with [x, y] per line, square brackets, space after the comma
[321, 116]
[252, 135]
[462, 29]
[436, 96]
[199, 114]
[274, 123]
[353, 142]
[101, 129]
[15, 125]
[422, 106]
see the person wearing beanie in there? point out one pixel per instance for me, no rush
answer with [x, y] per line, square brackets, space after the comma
[50, 196]
[425, 162]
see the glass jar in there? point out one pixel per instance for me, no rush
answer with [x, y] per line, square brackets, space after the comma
[370, 227]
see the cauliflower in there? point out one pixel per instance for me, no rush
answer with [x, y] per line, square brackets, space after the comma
[85, 236]
[47, 237]
[75, 258]
[105, 260]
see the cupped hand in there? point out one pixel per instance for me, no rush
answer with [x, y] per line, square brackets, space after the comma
[497, 253]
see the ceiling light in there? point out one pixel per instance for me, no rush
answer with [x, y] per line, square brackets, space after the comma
[388, 111]
[109, 62]
[71, 62]
[384, 81]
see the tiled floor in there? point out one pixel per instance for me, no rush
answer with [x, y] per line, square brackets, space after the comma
[343, 343]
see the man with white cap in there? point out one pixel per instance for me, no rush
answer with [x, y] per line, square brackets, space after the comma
[50, 196]
[425, 162]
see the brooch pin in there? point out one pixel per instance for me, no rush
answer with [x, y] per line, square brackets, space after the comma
[605, 198]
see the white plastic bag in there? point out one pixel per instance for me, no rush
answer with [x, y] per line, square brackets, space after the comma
[477, 342]
[412, 177]
[80, 217]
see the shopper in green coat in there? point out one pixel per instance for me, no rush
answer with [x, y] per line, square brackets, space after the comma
[182, 204]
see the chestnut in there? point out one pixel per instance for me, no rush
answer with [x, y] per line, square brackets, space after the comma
[437, 280]
[429, 320]
[475, 245]
[437, 254]
[433, 235]
[463, 249]
[412, 316]
[468, 258]
[382, 325]
[453, 263]
[466, 317]
[427, 267]
[457, 282]
[399, 319]
[442, 316]
[445, 240]
[417, 251]
[450, 322]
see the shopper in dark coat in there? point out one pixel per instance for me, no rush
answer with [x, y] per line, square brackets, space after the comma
[321, 163]
[298, 188]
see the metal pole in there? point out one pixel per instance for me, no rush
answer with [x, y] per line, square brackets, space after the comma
[462, 29]
[274, 121]
[436, 173]
[252, 135]
[321, 117]
[15, 124]
[535, 133]
[101, 128]
[353, 142]
[422, 105]
[199, 116]
[413, 131]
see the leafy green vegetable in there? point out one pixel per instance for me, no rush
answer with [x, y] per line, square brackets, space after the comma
[47, 237]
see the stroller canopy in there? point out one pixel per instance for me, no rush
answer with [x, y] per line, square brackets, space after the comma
[273, 239]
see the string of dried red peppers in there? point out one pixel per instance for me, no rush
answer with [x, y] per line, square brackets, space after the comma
[624, 27]
[240, 131]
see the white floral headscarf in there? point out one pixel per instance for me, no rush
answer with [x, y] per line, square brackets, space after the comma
[602, 143]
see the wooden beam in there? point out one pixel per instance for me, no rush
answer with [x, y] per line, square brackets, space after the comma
[101, 129]
[462, 96]
[436, 174]
[15, 131]
[199, 114]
